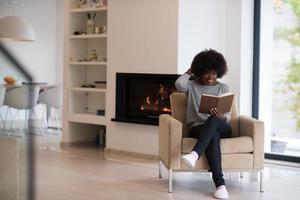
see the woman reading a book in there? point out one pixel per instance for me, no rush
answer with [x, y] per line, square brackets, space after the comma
[201, 78]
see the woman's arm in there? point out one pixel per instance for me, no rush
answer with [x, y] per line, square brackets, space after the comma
[216, 112]
[225, 116]
[182, 82]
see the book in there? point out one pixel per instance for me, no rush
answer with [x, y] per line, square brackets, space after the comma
[223, 103]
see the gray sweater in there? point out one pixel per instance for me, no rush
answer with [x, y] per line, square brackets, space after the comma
[194, 91]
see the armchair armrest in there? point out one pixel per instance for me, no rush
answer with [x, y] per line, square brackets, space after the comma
[170, 135]
[255, 129]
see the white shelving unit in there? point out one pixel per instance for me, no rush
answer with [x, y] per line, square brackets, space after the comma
[84, 106]
[80, 10]
[88, 36]
[89, 63]
[87, 119]
[82, 89]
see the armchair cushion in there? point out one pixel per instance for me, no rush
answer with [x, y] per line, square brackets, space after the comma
[228, 145]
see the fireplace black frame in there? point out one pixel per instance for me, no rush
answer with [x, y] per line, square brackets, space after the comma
[121, 88]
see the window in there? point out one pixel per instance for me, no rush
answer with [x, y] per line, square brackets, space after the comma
[279, 79]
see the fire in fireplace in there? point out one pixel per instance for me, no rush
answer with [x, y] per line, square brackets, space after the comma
[159, 102]
[141, 98]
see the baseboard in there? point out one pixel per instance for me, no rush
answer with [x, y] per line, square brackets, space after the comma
[282, 163]
[108, 151]
[78, 143]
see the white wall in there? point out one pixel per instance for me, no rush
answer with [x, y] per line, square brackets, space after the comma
[59, 41]
[202, 24]
[223, 25]
[246, 64]
[43, 57]
[239, 51]
[142, 38]
[233, 45]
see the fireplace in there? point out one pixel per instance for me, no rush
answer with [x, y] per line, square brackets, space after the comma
[141, 98]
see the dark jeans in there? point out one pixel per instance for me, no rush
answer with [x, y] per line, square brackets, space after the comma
[208, 136]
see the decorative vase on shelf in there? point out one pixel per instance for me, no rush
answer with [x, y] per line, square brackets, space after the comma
[93, 56]
[90, 23]
[90, 26]
[99, 3]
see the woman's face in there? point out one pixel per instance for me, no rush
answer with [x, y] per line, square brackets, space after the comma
[209, 78]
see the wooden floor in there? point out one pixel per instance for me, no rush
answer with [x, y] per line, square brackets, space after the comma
[82, 173]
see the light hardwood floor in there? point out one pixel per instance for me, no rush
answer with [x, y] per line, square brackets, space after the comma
[82, 173]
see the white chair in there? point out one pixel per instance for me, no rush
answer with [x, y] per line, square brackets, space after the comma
[2, 96]
[52, 98]
[18, 98]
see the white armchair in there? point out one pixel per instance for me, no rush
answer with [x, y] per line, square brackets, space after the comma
[243, 152]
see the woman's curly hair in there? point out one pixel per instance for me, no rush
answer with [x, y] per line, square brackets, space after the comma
[209, 60]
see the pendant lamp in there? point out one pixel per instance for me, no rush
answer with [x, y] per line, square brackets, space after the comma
[16, 28]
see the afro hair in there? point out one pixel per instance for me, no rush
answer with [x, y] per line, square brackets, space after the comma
[207, 61]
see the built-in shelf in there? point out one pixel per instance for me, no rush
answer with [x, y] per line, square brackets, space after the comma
[88, 36]
[88, 63]
[84, 106]
[87, 118]
[79, 10]
[83, 89]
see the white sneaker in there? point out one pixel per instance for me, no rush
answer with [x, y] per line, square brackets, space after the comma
[221, 193]
[189, 160]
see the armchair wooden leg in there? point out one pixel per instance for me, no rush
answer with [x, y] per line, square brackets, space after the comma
[159, 169]
[170, 181]
[261, 181]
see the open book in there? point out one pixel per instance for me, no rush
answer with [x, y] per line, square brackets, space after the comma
[222, 103]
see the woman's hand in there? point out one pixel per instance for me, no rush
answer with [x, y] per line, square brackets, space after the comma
[189, 71]
[216, 112]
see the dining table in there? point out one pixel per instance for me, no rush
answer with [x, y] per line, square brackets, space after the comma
[43, 85]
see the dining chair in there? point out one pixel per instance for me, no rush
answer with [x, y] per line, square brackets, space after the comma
[52, 98]
[18, 98]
